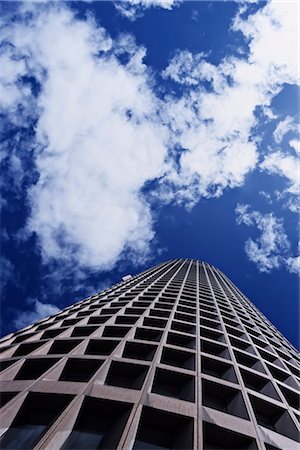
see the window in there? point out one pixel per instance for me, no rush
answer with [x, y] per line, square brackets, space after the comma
[126, 375]
[129, 320]
[249, 361]
[101, 347]
[291, 397]
[48, 334]
[273, 417]
[219, 369]
[174, 384]
[214, 349]
[183, 327]
[98, 320]
[156, 323]
[83, 331]
[5, 364]
[63, 346]
[80, 369]
[147, 334]
[210, 323]
[34, 368]
[115, 331]
[241, 344]
[223, 398]
[211, 334]
[215, 438]
[22, 337]
[181, 340]
[178, 358]
[25, 349]
[162, 430]
[259, 384]
[37, 414]
[6, 397]
[99, 425]
[139, 351]
[159, 312]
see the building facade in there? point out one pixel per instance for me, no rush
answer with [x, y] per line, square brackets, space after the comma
[173, 358]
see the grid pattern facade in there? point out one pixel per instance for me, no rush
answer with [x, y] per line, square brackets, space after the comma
[173, 358]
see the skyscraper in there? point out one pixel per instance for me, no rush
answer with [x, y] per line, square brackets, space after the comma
[173, 358]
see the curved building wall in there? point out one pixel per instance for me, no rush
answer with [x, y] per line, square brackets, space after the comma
[173, 358]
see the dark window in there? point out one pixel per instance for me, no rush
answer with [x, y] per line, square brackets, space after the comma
[273, 417]
[63, 346]
[153, 322]
[34, 368]
[210, 323]
[181, 340]
[139, 351]
[219, 369]
[214, 349]
[80, 369]
[22, 337]
[147, 334]
[249, 361]
[183, 327]
[126, 375]
[241, 344]
[5, 364]
[70, 322]
[161, 305]
[185, 317]
[98, 320]
[101, 347]
[259, 384]
[291, 397]
[37, 414]
[211, 334]
[115, 331]
[178, 358]
[223, 398]
[6, 397]
[99, 425]
[174, 384]
[217, 438]
[235, 332]
[159, 312]
[83, 331]
[83, 313]
[25, 349]
[129, 320]
[162, 430]
[48, 334]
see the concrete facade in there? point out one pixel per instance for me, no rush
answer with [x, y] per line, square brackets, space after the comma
[173, 358]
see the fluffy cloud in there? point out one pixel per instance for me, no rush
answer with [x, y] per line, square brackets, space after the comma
[271, 249]
[216, 126]
[40, 311]
[284, 165]
[132, 9]
[98, 137]
[283, 127]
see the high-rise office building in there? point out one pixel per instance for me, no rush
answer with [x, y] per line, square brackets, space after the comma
[173, 358]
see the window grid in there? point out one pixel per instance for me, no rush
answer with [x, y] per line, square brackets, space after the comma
[179, 335]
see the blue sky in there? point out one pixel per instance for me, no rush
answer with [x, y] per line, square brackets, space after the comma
[135, 132]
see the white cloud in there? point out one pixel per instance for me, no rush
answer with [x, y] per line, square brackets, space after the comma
[284, 165]
[295, 145]
[293, 264]
[40, 311]
[271, 249]
[98, 138]
[283, 127]
[216, 126]
[132, 9]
